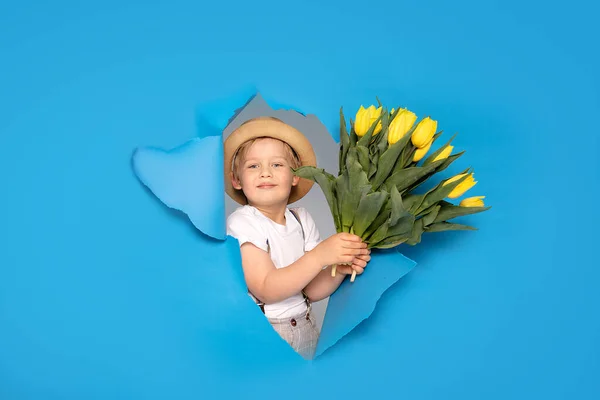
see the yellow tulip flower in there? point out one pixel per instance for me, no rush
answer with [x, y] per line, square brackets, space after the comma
[475, 201]
[365, 117]
[424, 132]
[400, 125]
[420, 152]
[443, 154]
[462, 187]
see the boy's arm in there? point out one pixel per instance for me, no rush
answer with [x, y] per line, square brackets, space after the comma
[270, 284]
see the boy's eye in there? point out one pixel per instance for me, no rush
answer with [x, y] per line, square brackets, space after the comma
[278, 165]
[253, 166]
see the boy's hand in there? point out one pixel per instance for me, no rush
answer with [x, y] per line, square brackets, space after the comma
[358, 264]
[342, 248]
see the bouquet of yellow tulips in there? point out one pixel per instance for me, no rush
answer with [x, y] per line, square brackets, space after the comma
[381, 163]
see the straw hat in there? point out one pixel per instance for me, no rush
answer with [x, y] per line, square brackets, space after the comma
[275, 128]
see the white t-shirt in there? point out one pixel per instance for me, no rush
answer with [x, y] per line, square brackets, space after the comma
[283, 242]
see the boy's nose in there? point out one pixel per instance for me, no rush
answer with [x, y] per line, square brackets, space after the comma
[266, 171]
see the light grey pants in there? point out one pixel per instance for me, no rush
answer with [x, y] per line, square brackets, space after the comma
[300, 332]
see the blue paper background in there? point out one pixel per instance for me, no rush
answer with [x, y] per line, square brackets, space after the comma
[100, 285]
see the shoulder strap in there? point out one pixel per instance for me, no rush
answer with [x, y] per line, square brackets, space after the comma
[298, 219]
[308, 302]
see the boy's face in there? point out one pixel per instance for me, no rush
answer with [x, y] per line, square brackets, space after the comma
[265, 175]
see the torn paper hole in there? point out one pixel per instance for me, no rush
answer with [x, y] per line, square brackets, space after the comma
[173, 176]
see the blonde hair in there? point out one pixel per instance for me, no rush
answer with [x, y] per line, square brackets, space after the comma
[240, 154]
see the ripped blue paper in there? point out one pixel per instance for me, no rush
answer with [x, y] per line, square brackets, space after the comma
[189, 178]
[212, 117]
[232, 329]
[354, 302]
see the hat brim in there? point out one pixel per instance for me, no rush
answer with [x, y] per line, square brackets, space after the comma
[277, 129]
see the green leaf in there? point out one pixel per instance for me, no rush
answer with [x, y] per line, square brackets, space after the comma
[383, 145]
[406, 158]
[357, 175]
[416, 233]
[344, 142]
[387, 161]
[447, 226]
[342, 187]
[398, 209]
[389, 243]
[405, 178]
[427, 210]
[412, 202]
[363, 157]
[373, 165]
[441, 165]
[382, 217]
[352, 185]
[367, 211]
[353, 137]
[448, 212]
[386, 232]
[430, 216]
[327, 183]
[403, 226]
[379, 234]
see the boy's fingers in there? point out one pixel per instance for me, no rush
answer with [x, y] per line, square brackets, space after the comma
[359, 262]
[348, 259]
[354, 245]
[351, 237]
[354, 252]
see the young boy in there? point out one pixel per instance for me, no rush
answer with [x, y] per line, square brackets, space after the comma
[286, 265]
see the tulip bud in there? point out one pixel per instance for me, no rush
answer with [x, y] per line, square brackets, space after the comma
[443, 154]
[462, 187]
[475, 201]
[420, 152]
[365, 117]
[400, 125]
[424, 132]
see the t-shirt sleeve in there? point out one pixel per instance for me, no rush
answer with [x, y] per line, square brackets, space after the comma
[311, 232]
[245, 229]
